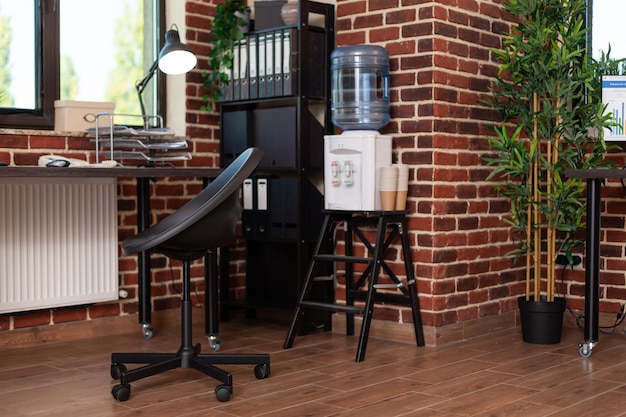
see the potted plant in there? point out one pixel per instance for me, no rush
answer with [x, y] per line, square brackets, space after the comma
[553, 119]
[229, 26]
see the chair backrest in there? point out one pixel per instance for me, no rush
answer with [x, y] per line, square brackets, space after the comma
[216, 208]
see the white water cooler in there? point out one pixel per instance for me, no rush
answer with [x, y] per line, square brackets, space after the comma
[352, 164]
[360, 106]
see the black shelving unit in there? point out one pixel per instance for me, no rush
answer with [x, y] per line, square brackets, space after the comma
[288, 123]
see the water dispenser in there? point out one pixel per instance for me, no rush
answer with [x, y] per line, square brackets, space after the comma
[360, 87]
[352, 164]
[359, 106]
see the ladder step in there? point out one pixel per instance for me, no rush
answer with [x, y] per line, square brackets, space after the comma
[341, 258]
[317, 305]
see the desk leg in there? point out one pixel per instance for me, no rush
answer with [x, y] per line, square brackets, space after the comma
[143, 222]
[211, 315]
[592, 267]
[224, 283]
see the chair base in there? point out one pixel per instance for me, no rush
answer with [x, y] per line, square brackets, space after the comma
[190, 357]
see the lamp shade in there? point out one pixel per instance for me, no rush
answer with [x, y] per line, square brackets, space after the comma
[176, 57]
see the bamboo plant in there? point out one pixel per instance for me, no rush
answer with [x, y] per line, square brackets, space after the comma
[553, 119]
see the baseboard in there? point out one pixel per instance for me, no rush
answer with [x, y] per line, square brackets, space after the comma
[433, 336]
[37, 335]
[456, 332]
[399, 332]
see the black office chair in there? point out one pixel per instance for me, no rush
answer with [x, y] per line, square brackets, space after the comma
[206, 222]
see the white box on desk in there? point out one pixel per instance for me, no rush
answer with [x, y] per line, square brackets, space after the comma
[69, 115]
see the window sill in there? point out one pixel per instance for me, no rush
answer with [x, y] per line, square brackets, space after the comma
[35, 132]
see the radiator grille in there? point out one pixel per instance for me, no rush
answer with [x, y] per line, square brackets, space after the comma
[58, 242]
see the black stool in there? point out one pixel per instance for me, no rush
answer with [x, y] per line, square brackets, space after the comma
[393, 222]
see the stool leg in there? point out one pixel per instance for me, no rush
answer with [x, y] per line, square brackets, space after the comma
[349, 267]
[412, 288]
[371, 292]
[308, 284]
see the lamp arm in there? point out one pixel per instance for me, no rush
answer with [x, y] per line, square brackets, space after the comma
[141, 85]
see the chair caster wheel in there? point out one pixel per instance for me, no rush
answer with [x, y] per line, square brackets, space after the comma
[117, 369]
[585, 349]
[214, 343]
[223, 393]
[121, 392]
[146, 328]
[262, 371]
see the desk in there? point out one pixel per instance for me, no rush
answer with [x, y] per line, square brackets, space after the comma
[143, 176]
[594, 178]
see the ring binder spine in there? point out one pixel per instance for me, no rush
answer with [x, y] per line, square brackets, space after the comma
[265, 65]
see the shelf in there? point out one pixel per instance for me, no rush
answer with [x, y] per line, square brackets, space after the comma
[282, 210]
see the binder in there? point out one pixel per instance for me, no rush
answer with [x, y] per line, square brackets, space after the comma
[253, 67]
[248, 228]
[243, 70]
[261, 63]
[269, 65]
[262, 209]
[235, 71]
[283, 208]
[278, 63]
[226, 89]
[289, 62]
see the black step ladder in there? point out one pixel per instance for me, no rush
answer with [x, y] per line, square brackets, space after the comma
[393, 222]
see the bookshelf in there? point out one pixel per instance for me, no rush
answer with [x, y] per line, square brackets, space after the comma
[278, 100]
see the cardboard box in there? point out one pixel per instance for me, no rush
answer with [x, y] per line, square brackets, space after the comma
[69, 115]
[267, 14]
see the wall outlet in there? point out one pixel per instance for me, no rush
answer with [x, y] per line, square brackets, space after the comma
[561, 259]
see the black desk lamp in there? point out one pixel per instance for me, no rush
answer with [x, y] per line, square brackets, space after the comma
[175, 58]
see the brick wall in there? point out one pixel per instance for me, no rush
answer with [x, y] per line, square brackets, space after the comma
[441, 67]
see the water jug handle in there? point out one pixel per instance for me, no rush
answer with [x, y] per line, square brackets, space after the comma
[384, 76]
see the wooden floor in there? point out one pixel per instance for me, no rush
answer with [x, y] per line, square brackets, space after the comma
[491, 376]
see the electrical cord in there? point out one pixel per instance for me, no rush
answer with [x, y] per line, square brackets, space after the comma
[580, 318]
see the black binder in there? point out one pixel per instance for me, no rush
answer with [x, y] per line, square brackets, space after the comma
[261, 65]
[248, 227]
[269, 64]
[278, 63]
[290, 61]
[262, 207]
[243, 70]
[253, 65]
[283, 208]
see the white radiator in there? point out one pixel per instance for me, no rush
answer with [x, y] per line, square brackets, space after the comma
[58, 242]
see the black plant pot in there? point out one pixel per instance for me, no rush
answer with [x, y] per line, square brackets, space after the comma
[542, 322]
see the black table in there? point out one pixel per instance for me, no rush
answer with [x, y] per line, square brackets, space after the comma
[143, 176]
[594, 178]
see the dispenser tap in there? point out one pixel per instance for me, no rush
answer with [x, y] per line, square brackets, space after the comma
[334, 170]
[347, 172]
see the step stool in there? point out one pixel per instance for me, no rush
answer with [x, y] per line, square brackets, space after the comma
[389, 225]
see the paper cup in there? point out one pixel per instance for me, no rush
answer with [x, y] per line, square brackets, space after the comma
[401, 200]
[403, 177]
[388, 178]
[388, 200]
[403, 186]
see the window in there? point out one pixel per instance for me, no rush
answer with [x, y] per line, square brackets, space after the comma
[606, 23]
[86, 50]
